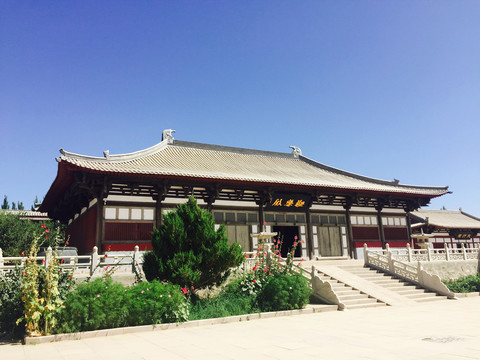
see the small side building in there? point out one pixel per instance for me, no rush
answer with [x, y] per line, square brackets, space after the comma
[448, 227]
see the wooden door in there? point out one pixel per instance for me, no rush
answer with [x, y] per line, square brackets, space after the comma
[329, 241]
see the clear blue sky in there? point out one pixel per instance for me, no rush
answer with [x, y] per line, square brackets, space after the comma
[387, 89]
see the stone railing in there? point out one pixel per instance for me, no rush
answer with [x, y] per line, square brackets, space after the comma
[394, 264]
[428, 254]
[93, 264]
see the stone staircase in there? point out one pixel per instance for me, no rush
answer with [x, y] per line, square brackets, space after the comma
[401, 287]
[352, 298]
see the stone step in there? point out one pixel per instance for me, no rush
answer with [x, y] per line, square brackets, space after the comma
[422, 295]
[434, 298]
[408, 292]
[386, 281]
[341, 293]
[396, 285]
[368, 305]
[365, 300]
[353, 296]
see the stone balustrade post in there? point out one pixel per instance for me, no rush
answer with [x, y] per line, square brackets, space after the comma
[135, 257]
[419, 273]
[391, 267]
[365, 254]
[464, 252]
[95, 260]
[409, 252]
[48, 256]
[429, 253]
[447, 254]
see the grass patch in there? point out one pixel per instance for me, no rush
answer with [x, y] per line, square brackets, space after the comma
[221, 306]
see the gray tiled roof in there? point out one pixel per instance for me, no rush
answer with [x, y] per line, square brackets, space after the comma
[447, 219]
[202, 161]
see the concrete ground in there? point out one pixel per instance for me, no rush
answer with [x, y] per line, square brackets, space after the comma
[446, 329]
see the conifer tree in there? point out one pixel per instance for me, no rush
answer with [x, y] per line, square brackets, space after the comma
[188, 251]
[5, 205]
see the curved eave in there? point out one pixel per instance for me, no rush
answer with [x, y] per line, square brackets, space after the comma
[61, 183]
[114, 158]
[284, 184]
[373, 180]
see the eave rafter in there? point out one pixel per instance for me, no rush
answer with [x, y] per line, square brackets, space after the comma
[87, 186]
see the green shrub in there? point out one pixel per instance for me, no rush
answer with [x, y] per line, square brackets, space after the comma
[284, 292]
[188, 251]
[103, 304]
[94, 305]
[11, 305]
[155, 303]
[464, 285]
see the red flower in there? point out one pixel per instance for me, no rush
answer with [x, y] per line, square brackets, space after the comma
[294, 243]
[184, 290]
[106, 255]
[295, 237]
[46, 237]
[47, 231]
[254, 280]
[66, 243]
[193, 288]
[22, 253]
[43, 226]
[43, 261]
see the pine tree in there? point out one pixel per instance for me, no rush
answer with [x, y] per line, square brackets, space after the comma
[14, 206]
[5, 205]
[188, 251]
[20, 205]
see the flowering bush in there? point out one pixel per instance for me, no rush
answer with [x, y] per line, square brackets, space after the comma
[40, 289]
[155, 303]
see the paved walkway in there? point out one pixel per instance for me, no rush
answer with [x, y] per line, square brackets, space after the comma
[448, 329]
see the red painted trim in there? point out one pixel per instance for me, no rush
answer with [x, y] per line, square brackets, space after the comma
[359, 244]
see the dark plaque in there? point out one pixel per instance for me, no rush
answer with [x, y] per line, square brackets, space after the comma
[462, 234]
[289, 202]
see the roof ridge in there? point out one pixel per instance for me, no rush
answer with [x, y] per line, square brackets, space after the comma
[233, 149]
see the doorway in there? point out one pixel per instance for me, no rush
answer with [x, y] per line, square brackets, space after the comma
[288, 235]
